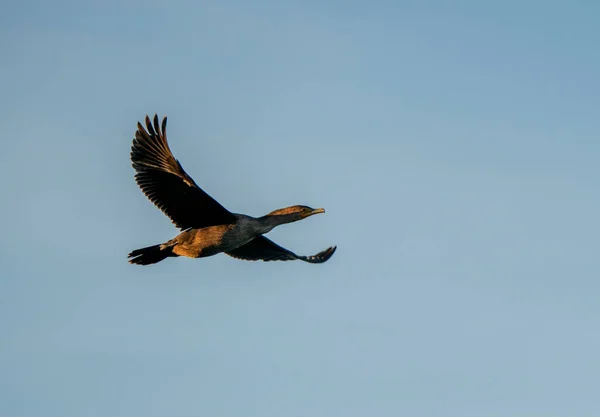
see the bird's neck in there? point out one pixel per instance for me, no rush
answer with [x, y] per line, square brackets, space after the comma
[268, 222]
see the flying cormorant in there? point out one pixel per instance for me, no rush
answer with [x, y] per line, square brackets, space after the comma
[207, 228]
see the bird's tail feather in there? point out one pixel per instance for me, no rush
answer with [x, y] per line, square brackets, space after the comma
[150, 255]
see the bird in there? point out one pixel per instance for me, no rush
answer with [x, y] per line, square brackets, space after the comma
[207, 228]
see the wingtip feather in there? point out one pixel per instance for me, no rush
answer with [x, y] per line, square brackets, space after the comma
[156, 125]
[149, 126]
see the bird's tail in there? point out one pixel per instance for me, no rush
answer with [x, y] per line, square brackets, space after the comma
[150, 255]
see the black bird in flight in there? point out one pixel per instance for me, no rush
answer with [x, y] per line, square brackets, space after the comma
[207, 228]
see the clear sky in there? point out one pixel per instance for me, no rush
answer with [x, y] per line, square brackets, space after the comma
[454, 147]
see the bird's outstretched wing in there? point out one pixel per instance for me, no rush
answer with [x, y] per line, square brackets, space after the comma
[163, 180]
[261, 248]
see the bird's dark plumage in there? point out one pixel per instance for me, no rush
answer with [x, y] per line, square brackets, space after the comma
[207, 227]
[163, 180]
[263, 249]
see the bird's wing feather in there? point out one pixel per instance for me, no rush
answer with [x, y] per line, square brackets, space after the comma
[163, 180]
[261, 248]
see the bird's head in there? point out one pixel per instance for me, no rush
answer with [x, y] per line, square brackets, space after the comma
[296, 212]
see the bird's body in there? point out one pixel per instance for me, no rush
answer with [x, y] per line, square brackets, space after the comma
[208, 241]
[207, 227]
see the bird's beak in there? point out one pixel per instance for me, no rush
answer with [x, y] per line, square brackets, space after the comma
[318, 211]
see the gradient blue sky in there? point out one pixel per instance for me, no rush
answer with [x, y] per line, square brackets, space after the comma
[455, 148]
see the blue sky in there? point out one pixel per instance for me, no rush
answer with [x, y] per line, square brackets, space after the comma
[454, 147]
